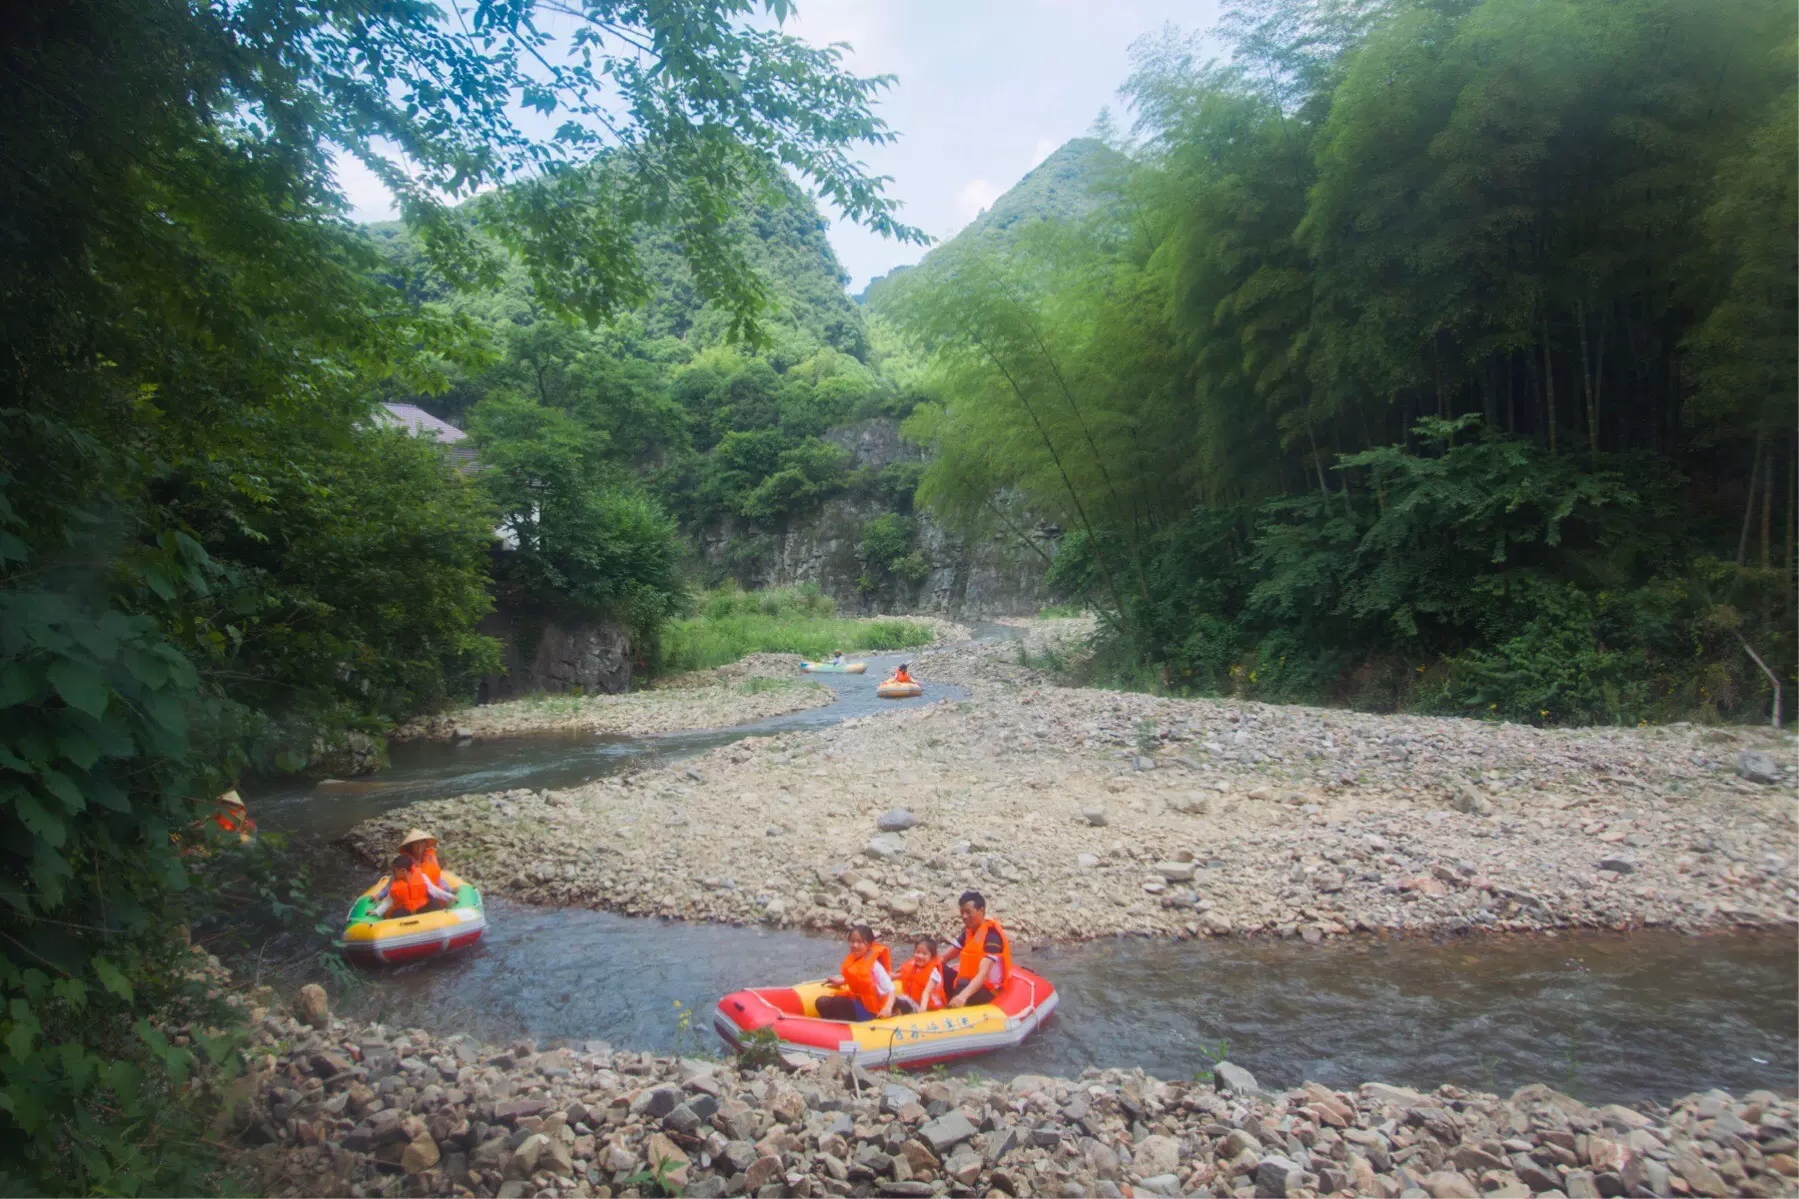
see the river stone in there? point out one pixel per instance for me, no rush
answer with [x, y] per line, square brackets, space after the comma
[1277, 1176]
[1758, 766]
[420, 1155]
[525, 1157]
[1095, 817]
[1233, 1079]
[894, 1097]
[947, 1131]
[895, 820]
[1175, 872]
[1618, 865]
[1218, 924]
[885, 846]
[655, 1103]
[312, 1006]
[1447, 1184]
[1156, 1154]
[1087, 861]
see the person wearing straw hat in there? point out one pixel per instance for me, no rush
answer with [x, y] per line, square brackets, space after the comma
[421, 847]
[233, 817]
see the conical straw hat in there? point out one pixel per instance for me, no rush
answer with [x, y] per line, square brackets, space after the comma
[233, 798]
[417, 834]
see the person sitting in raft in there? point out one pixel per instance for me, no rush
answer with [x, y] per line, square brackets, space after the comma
[837, 657]
[979, 962]
[864, 975]
[921, 978]
[409, 891]
[233, 817]
[421, 847]
[900, 675]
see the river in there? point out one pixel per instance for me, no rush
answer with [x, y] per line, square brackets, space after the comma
[1605, 1017]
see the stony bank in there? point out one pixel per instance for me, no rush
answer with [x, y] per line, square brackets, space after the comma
[344, 1108]
[1083, 813]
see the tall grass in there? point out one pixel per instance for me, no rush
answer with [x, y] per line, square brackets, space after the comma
[786, 620]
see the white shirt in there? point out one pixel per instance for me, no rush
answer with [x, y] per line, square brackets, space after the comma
[883, 984]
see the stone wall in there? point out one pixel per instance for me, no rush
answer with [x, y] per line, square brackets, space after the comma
[551, 652]
[969, 580]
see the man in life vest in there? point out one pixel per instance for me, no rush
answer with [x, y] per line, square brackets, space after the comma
[421, 847]
[409, 891]
[900, 675]
[979, 962]
[864, 975]
[232, 817]
[921, 978]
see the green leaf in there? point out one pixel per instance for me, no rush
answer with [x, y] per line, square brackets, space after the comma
[111, 978]
[16, 685]
[38, 820]
[81, 685]
[64, 788]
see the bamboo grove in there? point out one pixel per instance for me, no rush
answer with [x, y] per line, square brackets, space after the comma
[1437, 354]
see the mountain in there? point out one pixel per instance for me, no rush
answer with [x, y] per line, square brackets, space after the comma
[1063, 187]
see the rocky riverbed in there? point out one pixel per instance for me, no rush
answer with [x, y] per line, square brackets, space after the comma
[1083, 813]
[344, 1108]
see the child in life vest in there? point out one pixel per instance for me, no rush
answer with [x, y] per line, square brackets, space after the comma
[864, 976]
[900, 675]
[921, 979]
[409, 891]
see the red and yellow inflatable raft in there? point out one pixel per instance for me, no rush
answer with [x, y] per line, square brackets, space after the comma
[791, 1014]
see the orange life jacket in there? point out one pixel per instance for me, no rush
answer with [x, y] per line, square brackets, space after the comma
[900, 676]
[231, 823]
[410, 894]
[858, 972]
[922, 984]
[428, 866]
[974, 948]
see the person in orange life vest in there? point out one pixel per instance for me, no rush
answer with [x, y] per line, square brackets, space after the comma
[409, 891]
[865, 976]
[900, 675]
[421, 847]
[233, 817]
[979, 962]
[921, 978]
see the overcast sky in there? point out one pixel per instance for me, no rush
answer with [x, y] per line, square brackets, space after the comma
[985, 90]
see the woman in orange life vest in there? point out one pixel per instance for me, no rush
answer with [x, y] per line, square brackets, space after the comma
[421, 847]
[409, 891]
[979, 962]
[921, 978]
[233, 817]
[864, 974]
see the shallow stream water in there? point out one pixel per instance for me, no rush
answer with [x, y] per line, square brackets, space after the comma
[1608, 1018]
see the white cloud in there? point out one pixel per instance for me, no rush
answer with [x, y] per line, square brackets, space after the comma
[976, 196]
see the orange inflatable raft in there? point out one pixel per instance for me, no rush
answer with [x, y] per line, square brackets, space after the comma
[791, 1015]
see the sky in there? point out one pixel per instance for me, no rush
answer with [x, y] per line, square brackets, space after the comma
[984, 91]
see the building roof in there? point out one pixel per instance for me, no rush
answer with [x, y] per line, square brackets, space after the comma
[420, 423]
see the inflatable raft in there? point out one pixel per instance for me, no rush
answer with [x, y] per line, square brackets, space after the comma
[892, 690]
[791, 1014]
[407, 938]
[827, 668]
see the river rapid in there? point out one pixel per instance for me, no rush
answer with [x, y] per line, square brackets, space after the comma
[1604, 1017]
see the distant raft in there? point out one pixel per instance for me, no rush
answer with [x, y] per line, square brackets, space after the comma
[791, 1015]
[829, 668]
[893, 690]
[372, 941]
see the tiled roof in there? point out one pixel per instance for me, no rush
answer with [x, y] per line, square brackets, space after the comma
[420, 423]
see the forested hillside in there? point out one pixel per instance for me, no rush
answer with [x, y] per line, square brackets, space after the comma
[1436, 356]
[1066, 186]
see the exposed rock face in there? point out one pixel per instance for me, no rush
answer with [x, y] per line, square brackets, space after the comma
[555, 653]
[344, 754]
[997, 577]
